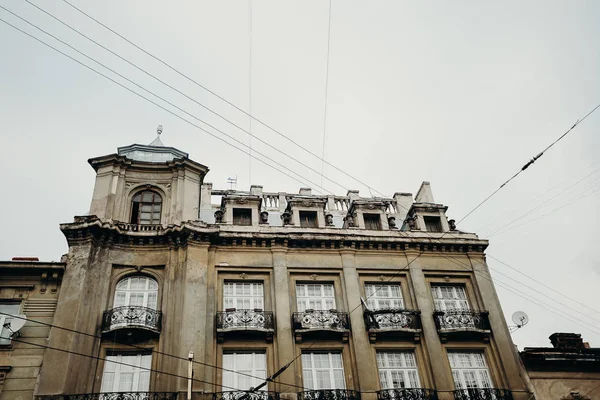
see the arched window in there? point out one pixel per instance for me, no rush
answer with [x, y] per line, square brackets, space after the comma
[145, 208]
[140, 291]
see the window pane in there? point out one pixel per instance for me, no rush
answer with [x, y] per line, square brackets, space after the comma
[399, 370]
[469, 370]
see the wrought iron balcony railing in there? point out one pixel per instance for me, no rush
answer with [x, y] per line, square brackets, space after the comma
[321, 319]
[392, 319]
[483, 394]
[245, 319]
[113, 396]
[407, 394]
[329, 394]
[462, 320]
[131, 317]
[245, 395]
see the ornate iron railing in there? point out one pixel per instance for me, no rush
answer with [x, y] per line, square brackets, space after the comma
[483, 394]
[131, 316]
[462, 320]
[407, 394]
[113, 396]
[245, 319]
[329, 394]
[321, 319]
[391, 319]
[245, 395]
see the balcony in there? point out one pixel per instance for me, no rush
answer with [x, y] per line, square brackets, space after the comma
[407, 394]
[244, 395]
[321, 324]
[113, 396]
[483, 394]
[463, 325]
[250, 322]
[329, 394]
[393, 323]
[130, 319]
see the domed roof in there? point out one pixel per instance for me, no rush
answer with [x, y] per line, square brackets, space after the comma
[155, 152]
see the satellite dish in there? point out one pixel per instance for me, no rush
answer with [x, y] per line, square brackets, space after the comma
[520, 318]
[17, 322]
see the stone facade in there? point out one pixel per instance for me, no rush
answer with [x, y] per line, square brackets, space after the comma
[29, 289]
[266, 279]
[569, 370]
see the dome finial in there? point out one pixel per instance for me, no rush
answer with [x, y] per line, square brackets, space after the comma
[159, 130]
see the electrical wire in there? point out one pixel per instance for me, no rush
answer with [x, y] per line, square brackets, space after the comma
[163, 99]
[221, 98]
[326, 93]
[114, 362]
[530, 162]
[114, 340]
[247, 131]
[540, 283]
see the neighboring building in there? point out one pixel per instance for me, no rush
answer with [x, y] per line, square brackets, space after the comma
[569, 370]
[249, 281]
[28, 290]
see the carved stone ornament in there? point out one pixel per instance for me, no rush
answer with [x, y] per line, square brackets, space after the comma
[264, 217]
[241, 201]
[308, 203]
[314, 277]
[286, 217]
[128, 185]
[392, 222]
[412, 222]
[243, 275]
[219, 216]
[349, 220]
[370, 206]
[452, 224]
[446, 279]
[381, 278]
[329, 219]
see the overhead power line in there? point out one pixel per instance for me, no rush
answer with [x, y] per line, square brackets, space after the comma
[112, 361]
[530, 162]
[326, 91]
[279, 133]
[174, 89]
[151, 101]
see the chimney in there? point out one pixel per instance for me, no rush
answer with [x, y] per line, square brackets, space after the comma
[566, 341]
[305, 191]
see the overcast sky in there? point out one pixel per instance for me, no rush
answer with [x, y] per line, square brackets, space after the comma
[460, 94]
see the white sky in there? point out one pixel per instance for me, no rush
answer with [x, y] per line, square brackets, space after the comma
[461, 94]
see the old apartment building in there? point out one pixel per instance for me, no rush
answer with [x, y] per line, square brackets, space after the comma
[29, 289]
[360, 297]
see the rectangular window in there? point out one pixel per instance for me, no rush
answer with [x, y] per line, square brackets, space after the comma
[242, 216]
[448, 298]
[372, 221]
[323, 371]
[315, 296]
[248, 363]
[397, 370]
[126, 372]
[380, 296]
[243, 295]
[7, 309]
[469, 370]
[308, 219]
[433, 224]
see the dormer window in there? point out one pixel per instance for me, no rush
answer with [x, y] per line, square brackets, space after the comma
[308, 219]
[242, 216]
[433, 224]
[372, 221]
[145, 208]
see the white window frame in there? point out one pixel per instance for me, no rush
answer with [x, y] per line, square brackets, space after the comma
[11, 308]
[397, 370]
[450, 298]
[258, 369]
[378, 294]
[323, 300]
[469, 370]
[310, 372]
[149, 292]
[139, 370]
[237, 293]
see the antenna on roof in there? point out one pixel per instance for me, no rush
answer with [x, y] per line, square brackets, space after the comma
[232, 182]
[520, 319]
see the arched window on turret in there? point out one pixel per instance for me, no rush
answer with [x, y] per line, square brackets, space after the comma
[145, 208]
